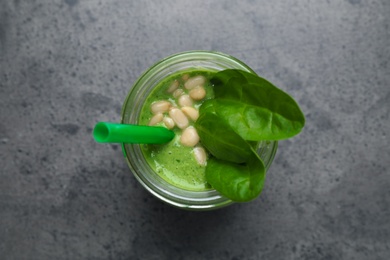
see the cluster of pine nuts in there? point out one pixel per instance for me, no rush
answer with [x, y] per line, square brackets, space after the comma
[180, 112]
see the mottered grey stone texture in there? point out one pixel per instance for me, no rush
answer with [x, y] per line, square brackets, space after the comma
[66, 64]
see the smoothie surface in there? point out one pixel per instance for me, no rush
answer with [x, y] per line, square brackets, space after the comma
[174, 162]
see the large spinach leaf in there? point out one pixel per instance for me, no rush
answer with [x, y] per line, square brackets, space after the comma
[254, 107]
[254, 122]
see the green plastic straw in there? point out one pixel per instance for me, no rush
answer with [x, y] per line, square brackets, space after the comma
[105, 132]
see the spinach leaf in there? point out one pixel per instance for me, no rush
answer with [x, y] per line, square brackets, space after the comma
[259, 110]
[238, 182]
[220, 139]
[256, 123]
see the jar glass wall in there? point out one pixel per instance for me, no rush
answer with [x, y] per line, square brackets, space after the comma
[193, 200]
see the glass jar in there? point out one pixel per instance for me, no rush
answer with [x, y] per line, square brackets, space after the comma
[185, 199]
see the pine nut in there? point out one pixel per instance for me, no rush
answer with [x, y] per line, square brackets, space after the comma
[194, 81]
[179, 118]
[169, 123]
[198, 93]
[189, 137]
[178, 92]
[160, 107]
[157, 118]
[200, 155]
[185, 77]
[185, 101]
[190, 112]
[173, 86]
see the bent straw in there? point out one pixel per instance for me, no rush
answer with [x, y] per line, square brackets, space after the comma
[105, 132]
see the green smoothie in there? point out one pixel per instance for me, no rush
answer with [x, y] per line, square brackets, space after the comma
[174, 162]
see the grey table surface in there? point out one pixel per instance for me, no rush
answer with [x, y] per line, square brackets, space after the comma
[64, 65]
